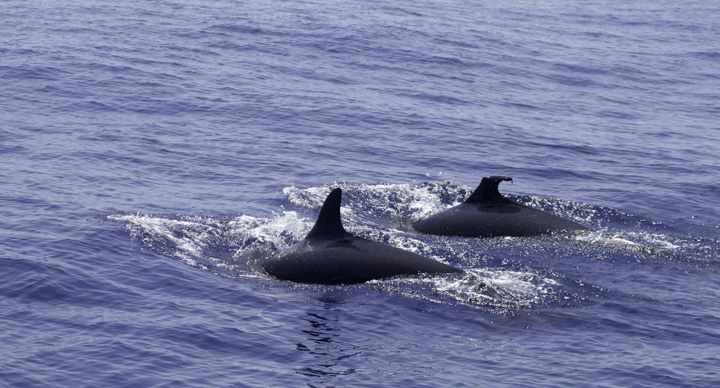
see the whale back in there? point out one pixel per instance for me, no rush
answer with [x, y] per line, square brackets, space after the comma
[331, 255]
[487, 213]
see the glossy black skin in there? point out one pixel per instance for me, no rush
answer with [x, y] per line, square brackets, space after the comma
[486, 213]
[330, 255]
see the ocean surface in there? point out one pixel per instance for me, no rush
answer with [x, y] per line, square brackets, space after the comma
[152, 153]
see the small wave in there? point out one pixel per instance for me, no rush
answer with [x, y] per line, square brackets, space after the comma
[709, 55]
[500, 288]
[31, 72]
[652, 245]
[496, 288]
[629, 239]
[268, 234]
[239, 28]
[184, 239]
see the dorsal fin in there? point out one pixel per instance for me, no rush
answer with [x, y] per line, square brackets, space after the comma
[487, 192]
[328, 224]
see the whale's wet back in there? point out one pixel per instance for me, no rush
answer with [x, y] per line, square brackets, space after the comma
[486, 213]
[330, 255]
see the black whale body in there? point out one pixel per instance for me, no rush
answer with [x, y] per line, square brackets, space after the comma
[486, 213]
[330, 255]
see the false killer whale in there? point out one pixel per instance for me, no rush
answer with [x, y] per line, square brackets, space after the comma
[330, 255]
[486, 213]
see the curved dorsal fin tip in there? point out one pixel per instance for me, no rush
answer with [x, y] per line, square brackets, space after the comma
[500, 178]
[328, 223]
[488, 192]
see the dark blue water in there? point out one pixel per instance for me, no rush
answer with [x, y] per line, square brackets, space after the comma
[153, 151]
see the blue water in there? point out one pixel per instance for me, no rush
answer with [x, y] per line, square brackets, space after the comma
[153, 152]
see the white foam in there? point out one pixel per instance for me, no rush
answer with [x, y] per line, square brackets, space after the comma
[495, 286]
[394, 200]
[189, 236]
[628, 240]
[278, 232]
[604, 239]
[487, 287]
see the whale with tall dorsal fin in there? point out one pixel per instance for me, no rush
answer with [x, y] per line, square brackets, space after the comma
[486, 213]
[331, 255]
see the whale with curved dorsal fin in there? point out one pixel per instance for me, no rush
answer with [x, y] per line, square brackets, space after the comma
[331, 255]
[486, 213]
